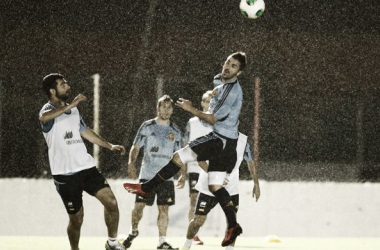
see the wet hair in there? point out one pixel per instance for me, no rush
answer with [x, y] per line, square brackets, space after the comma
[164, 98]
[241, 57]
[50, 82]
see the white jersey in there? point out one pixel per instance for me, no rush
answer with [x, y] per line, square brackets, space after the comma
[195, 128]
[67, 152]
[233, 178]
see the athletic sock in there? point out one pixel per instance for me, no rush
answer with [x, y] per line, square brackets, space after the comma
[229, 248]
[188, 243]
[112, 241]
[165, 173]
[224, 199]
[161, 239]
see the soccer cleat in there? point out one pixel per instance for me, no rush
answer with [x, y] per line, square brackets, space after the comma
[166, 245]
[231, 234]
[128, 241]
[135, 188]
[117, 247]
[197, 241]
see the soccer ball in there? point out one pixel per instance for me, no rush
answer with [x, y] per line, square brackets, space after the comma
[252, 8]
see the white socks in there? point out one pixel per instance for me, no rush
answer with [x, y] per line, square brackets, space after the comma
[113, 241]
[162, 239]
[188, 243]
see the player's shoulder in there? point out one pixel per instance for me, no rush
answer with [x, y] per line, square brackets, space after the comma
[150, 122]
[218, 77]
[47, 106]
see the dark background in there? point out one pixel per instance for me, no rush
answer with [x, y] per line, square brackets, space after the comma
[318, 62]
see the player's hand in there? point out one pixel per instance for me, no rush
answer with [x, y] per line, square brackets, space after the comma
[256, 192]
[181, 182]
[184, 104]
[118, 148]
[132, 171]
[79, 98]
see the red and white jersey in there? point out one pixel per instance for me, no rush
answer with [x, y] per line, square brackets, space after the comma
[67, 152]
[233, 178]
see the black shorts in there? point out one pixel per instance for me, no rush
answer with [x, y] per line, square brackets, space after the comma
[165, 194]
[71, 187]
[193, 180]
[218, 150]
[205, 203]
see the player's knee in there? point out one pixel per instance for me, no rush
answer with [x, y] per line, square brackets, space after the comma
[199, 220]
[111, 205]
[76, 219]
[184, 155]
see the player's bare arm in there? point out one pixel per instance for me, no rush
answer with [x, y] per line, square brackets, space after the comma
[93, 137]
[188, 106]
[133, 153]
[182, 177]
[256, 187]
[52, 114]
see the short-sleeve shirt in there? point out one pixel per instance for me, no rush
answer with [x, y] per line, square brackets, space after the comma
[159, 143]
[225, 104]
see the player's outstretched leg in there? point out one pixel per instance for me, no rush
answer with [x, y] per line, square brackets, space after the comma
[224, 200]
[165, 173]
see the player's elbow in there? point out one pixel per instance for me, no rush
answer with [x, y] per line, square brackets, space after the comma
[43, 119]
[212, 120]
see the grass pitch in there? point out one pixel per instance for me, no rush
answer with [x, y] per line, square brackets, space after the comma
[211, 243]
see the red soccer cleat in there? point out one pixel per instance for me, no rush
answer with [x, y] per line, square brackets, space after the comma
[231, 234]
[135, 188]
[197, 241]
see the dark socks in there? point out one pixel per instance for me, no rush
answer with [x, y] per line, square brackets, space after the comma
[224, 199]
[165, 173]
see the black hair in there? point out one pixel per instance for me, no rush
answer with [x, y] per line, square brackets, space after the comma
[50, 82]
[241, 57]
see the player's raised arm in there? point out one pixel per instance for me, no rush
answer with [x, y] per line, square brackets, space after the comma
[188, 106]
[54, 113]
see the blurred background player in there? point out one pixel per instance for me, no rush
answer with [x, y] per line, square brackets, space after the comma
[195, 128]
[206, 200]
[219, 146]
[160, 138]
[73, 169]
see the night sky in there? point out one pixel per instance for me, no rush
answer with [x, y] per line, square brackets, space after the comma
[318, 62]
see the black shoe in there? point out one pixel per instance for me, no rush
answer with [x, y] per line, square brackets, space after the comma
[128, 241]
[166, 245]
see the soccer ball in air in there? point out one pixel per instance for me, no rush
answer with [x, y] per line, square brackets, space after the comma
[252, 8]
